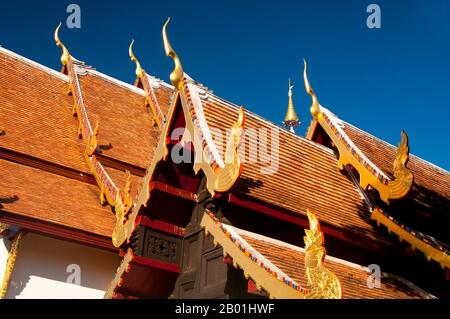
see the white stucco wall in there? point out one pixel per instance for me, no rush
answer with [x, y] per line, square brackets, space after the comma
[41, 269]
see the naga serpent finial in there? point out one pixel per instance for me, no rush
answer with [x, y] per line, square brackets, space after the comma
[65, 55]
[404, 177]
[315, 107]
[402, 155]
[177, 74]
[139, 70]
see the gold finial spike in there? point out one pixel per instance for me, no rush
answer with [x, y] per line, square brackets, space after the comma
[177, 74]
[291, 118]
[315, 107]
[402, 155]
[404, 177]
[139, 70]
[65, 55]
[314, 225]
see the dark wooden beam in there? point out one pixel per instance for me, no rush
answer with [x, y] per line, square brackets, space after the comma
[57, 231]
[153, 263]
[177, 192]
[47, 166]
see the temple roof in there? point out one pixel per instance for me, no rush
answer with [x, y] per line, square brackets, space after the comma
[430, 194]
[307, 172]
[126, 133]
[40, 136]
[36, 111]
[426, 174]
[53, 198]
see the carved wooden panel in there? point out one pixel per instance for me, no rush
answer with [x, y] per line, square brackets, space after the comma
[154, 244]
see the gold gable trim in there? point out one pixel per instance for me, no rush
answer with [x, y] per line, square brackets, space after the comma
[322, 283]
[349, 154]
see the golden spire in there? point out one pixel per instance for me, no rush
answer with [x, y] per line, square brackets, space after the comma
[65, 55]
[291, 118]
[139, 70]
[315, 107]
[177, 74]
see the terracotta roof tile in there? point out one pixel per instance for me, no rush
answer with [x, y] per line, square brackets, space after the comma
[125, 131]
[36, 114]
[53, 198]
[308, 171]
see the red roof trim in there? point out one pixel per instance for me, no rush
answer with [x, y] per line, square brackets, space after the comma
[60, 232]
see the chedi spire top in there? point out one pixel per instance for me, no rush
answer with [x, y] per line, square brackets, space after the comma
[291, 119]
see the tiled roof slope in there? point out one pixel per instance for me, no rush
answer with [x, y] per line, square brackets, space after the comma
[53, 198]
[36, 114]
[307, 176]
[291, 260]
[430, 194]
[36, 117]
[308, 172]
[125, 131]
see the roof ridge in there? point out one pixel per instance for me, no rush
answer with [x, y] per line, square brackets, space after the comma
[114, 81]
[89, 69]
[35, 64]
[394, 147]
[128, 85]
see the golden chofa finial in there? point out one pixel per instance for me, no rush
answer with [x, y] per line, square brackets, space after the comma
[65, 55]
[177, 74]
[291, 118]
[139, 70]
[404, 177]
[315, 107]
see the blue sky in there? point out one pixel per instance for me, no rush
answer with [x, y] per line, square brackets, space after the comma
[381, 80]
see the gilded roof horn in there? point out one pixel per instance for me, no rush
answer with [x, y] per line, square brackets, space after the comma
[65, 54]
[139, 70]
[315, 106]
[177, 74]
